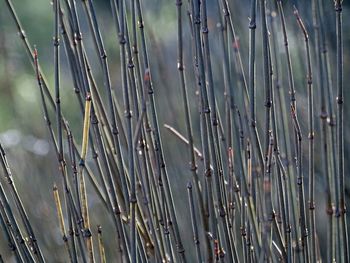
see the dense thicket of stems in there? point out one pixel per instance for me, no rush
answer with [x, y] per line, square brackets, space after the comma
[248, 203]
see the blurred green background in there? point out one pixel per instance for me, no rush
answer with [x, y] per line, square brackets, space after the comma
[24, 135]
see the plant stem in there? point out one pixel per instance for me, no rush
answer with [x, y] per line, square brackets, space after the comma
[340, 209]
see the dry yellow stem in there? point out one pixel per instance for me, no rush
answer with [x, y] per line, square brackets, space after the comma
[85, 211]
[86, 126]
[101, 246]
[59, 209]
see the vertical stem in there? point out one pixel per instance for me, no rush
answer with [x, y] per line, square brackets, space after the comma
[328, 125]
[56, 43]
[266, 74]
[312, 220]
[292, 92]
[340, 209]
[133, 199]
[251, 82]
[300, 183]
[266, 229]
[194, 222]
